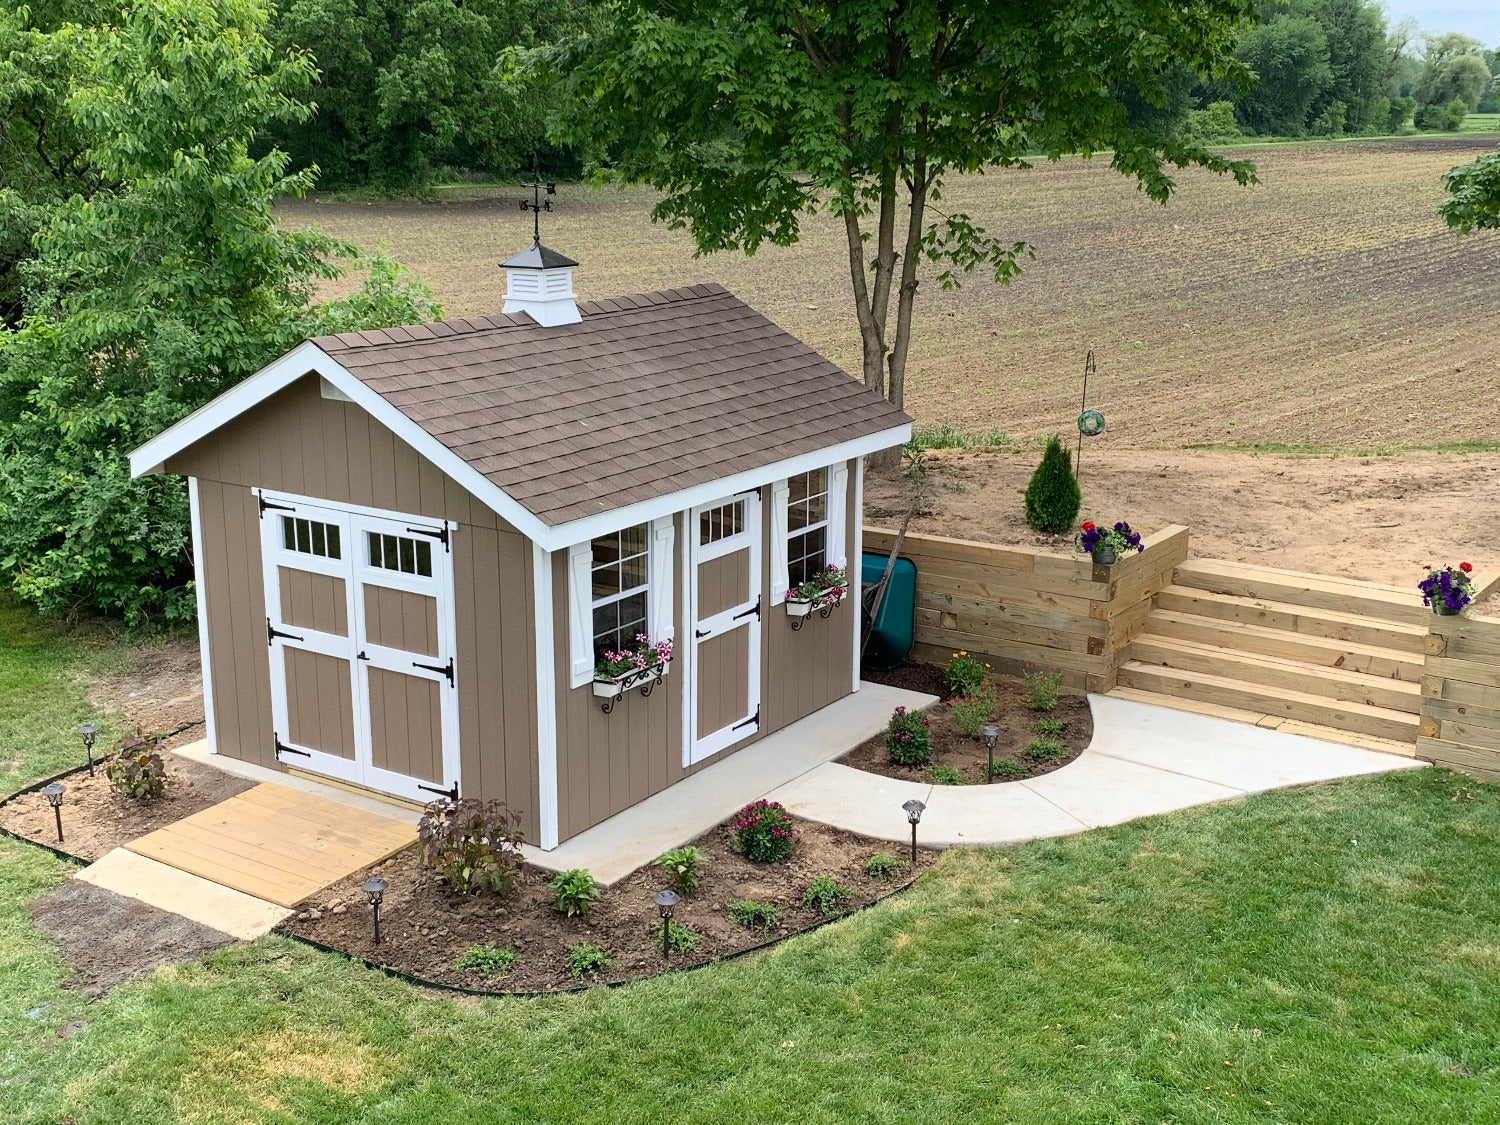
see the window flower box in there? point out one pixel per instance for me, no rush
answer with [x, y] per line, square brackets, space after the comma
[819, 594]
[641, 667]
[801, 607]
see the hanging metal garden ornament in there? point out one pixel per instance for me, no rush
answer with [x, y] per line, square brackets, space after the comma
[1090, 422]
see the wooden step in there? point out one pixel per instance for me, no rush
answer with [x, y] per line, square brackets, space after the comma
[1282, 703]
[1342, 595]
[1355, 628]
[1276, 672]
[1328, 652]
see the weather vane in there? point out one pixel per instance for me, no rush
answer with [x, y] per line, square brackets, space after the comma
[536, 205]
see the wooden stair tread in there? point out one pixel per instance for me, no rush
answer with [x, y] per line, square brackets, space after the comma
[1232, 631]
[1344, 595]
[1403, 636]
[1400, 594]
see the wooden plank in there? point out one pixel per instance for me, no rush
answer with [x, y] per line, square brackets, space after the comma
[1456, 691]
[1193, 706]
[1240, 637]
[1462, 734]
[1040, 617]
[211, 866]
[1326, 582]
[1464, 671]
[1445, 710]
[1301, 619]
[881, 539]
[1164, 550]
[1302, 590]
[1349, 738]
[934, 624]
[999, 592]
[1069, 586]
[1453, 754]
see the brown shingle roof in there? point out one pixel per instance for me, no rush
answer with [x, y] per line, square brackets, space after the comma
[679, 388]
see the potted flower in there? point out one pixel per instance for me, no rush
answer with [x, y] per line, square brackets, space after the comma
[1106, 545]
[1447, 589]
[823, 590]
[618, 672]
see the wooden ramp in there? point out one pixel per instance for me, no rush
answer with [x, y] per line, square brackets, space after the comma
[276, 843]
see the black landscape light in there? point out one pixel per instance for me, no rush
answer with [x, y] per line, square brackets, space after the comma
[375, 888]
[54, 791]
[86, 731]
[666, 902]
[991, 735]
[913, 809]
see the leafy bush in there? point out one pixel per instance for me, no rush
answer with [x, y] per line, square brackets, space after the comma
[908, 738]
[947, 775]
[883, 866]
[136, 770]
[965, 674]
[762, 832]
[1049, 728]
[486, 960]
[972, 712]
[1008, 769]
[1214, 123]
[681, 866]
[576, 892]
[585, 959]
[474, 845]
[680, 938]
[1041, 688]
[825, 894]
[1398, 112]
[752, 915]
[1053, 496]
[1045, 750]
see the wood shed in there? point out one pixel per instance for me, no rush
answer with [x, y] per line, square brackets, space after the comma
[414, 546]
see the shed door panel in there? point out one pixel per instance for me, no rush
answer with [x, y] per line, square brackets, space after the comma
[313, 601]
[723, 681]
[320, 702]
[401, 619]
[406, 730]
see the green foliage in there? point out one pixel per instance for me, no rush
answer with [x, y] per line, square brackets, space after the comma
[965, 674]
[1040, 688]
[575, 892]
[1049, 728]
[825, 894]
[680, 938]
[972, 712]
[1214, 123]
[136, 769]
[1399, 113]
[762, 832]
[1045, 750]
[908, 738]
[1473, 195]
[945, 435]
[753, 915]
[883, 867]
[585, 959]
[1453, 70]
[1008, 769]
[1289, 54]
[1442, 118]
[681, 866]
[948, 775]
[487, 960]
[1052, 495]
[474, 845]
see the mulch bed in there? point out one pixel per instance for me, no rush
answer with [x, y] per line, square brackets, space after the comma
[97, 820]
[951, 747]
[425, 928]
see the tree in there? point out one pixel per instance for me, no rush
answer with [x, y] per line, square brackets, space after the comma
[1289, 56]
[751, 115]
[1453, 69]
[166, 287]
[1052, 495]
[1473, 195]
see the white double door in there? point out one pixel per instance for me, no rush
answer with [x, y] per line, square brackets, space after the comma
[359, 620]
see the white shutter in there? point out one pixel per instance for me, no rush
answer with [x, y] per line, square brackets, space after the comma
[837, 550]
[659, 603]
[779, 574]
[580, 613]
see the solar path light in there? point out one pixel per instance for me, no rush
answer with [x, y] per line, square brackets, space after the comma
[666, 902]
[54, 791]
[87, 731]
[913, 809]
[375, 888]
[991, 735]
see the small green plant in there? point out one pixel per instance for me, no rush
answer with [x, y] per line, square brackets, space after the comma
[1048, 728]
[948, 775]
[1008, 769]
[945, 435]
[753, 915]
[474, 845]
[136, 769]
[576, 892]
[1041, 688]
[907, 738]
[680, 939]
[681, 866]
[762, 832]
[585, 959]
[971, 712]
[883, 867]
[965, 674]
[1053, 497]
[486, 960]
[825, 894]
[1045, 750]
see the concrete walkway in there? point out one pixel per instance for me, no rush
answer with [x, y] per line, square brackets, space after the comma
[1143, 760]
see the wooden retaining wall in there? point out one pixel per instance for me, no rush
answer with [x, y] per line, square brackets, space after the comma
[1461, 696]
[1017, 606]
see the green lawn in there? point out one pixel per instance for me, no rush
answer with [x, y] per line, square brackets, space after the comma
[1320, 955]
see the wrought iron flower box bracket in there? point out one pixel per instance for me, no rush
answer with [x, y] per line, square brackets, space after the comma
[799, 611]
[645, 679]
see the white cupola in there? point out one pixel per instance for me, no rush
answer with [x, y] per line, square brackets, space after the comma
[539, 283]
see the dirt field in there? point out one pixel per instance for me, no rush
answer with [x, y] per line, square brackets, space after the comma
[1327, 307]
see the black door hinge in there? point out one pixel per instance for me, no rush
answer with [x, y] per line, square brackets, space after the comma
[283, 748]
[441, 536]
[264, 504]
[753, 720]
[272, 633]
[445, 669]
[755, 609]
[451, 794]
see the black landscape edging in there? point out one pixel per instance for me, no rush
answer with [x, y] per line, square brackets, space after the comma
[35, 787]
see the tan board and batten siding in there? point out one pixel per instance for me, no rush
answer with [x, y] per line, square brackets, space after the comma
[606, 763]
[300, 442]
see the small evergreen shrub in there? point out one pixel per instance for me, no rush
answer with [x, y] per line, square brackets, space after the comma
[681, 866]
[585, 959]
[136, 769]
[883, 867]
[762, 832]
[965, 674]
[825, 894]
[1045, 750]
[1008, 769]
[753, 915]
[576, 892]
[971, 712]
[907, 738]
[1053, 497]
[947, 775]
[1041, 688]
[475, 846]
[486, 960]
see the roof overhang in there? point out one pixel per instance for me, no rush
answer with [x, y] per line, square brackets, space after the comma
[309, 359]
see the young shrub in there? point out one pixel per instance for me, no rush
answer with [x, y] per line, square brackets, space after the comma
[965, 674]
[1045, 750]
[825, 894]
[971, 712]
[136, 769]
[681, 866]
[883, 867]
[1008, 769]
[576, 892]
[680, 939]
[752, 915]
[907, 738]
[486, 960]
[475, 846]
[1041, 688]
[1053, 497]
[762, 832]
[585, 959]
[1048, 728]
[947, 775]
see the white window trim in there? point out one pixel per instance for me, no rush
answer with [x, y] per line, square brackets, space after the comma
[660, 539]
[834, 523]
[200, 572]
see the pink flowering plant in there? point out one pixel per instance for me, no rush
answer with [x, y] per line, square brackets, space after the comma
[762, 832]
[1448, 587]
[908, 738]
[823, 587]
[647, 658]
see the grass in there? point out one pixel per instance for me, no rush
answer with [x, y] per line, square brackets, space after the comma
[1321, 955]
[945, 435]
[1480, 123]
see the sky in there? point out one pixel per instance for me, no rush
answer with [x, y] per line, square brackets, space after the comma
[1479, 18]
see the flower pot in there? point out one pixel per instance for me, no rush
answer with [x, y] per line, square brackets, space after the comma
[1104, 554]
[798, 608]
[1442, 609]
[606, 689]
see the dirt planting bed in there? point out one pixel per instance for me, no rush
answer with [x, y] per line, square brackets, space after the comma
[426, 928]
